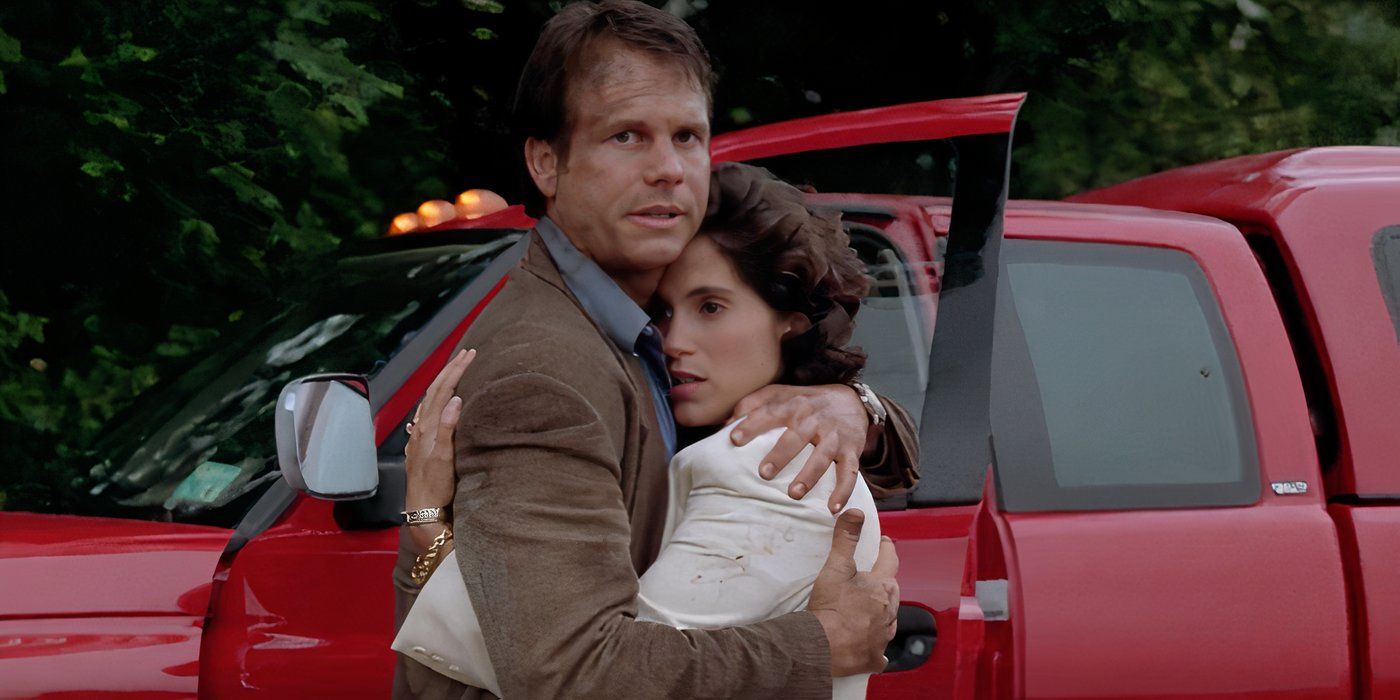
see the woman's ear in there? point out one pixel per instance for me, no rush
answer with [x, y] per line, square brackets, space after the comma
[543, 163]
[796, 324]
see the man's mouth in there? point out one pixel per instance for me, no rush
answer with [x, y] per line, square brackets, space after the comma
[657, 215]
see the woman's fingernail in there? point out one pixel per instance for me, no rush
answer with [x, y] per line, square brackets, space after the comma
[737, 435]
[799, 489]
[837, 509]
[766, 470]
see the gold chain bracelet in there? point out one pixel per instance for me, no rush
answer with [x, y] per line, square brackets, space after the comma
[424, 563]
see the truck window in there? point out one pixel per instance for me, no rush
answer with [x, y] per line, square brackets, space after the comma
[895, 321]
[199, 448]
[1385, 252]
[1115, 383]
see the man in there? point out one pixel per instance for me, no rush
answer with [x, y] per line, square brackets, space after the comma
[565, 433]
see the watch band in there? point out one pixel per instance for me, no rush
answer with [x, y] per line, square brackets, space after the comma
[873, 407]
[424, 516]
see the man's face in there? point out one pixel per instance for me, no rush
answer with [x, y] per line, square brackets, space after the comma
[632, 189]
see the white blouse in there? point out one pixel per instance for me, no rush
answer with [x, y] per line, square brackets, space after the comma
[736, 550]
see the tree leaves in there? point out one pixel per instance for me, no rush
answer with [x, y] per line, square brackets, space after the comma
[489, 6]
[170, 165]
[9, 53]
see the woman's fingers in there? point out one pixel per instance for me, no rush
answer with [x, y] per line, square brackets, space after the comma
[445, 383]
[447, 427]
[440, 391]
[434, 386]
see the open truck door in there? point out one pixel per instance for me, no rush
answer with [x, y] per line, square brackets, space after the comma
[929, 263]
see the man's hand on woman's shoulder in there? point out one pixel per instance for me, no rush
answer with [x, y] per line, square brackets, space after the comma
[829, 417]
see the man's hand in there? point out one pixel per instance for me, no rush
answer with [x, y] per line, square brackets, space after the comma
[858, 611]
[429, 459]
[830, 417]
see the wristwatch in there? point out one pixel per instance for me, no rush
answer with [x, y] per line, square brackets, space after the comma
[424, 516]
[871, 402]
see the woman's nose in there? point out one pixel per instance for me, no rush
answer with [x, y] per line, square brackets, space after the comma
[674, 340]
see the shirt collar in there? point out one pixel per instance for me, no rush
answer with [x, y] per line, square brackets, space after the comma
[605, 302]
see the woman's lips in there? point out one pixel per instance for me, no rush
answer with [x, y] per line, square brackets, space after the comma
[684, 386]
[685, 392]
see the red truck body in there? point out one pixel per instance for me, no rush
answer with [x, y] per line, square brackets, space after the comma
[1291, 592]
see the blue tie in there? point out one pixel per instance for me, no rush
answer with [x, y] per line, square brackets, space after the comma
[654, 361]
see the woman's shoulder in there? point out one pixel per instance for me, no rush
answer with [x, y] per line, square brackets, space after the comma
[719, 446]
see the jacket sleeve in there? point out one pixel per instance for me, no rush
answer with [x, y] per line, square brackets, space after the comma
[542, 537]
[413, 680]
[894, 466]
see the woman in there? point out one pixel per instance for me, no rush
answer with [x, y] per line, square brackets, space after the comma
[764, 294]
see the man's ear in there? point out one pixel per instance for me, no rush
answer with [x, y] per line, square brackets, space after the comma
[797, 324]
[543, 163]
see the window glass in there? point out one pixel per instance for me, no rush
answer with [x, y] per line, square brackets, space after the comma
[1385, 252]
[199, 448]
[1115, 384]
[895, 322]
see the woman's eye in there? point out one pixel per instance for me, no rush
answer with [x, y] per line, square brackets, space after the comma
[710, 307]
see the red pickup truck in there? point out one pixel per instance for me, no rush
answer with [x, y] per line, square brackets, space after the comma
[1159, 428]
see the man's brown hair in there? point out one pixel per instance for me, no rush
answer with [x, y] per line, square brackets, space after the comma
[541, 109]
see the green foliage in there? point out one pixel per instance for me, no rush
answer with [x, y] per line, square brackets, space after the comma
[167, 165]
[1140, 86]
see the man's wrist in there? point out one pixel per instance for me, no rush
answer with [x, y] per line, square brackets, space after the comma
[836, 641]
[871, 404]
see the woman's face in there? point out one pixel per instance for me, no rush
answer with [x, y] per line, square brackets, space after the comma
[722, 341]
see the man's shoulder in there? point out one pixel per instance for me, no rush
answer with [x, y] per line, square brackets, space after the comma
[535, 329]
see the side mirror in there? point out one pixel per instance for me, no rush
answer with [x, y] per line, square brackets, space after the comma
[325, 437]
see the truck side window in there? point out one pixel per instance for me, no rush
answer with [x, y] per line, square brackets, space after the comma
[895, 321]
[1385, 252]
[1115, 383]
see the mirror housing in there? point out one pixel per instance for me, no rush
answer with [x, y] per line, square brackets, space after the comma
[325, 437]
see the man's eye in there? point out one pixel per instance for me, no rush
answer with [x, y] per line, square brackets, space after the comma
[624, 137]
[686, 136]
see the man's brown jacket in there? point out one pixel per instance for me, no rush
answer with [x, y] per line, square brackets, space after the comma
[561, 498]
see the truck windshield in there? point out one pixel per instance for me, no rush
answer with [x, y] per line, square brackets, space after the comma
[200, 447]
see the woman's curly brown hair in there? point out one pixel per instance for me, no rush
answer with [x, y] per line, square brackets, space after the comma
[799, 259]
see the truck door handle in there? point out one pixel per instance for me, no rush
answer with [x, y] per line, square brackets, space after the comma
[914, 636]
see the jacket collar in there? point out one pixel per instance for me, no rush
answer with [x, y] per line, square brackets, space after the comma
[605, 302]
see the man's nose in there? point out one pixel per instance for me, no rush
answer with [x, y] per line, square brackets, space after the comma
[665, 167]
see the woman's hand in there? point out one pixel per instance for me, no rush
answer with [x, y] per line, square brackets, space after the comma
[429, 463]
